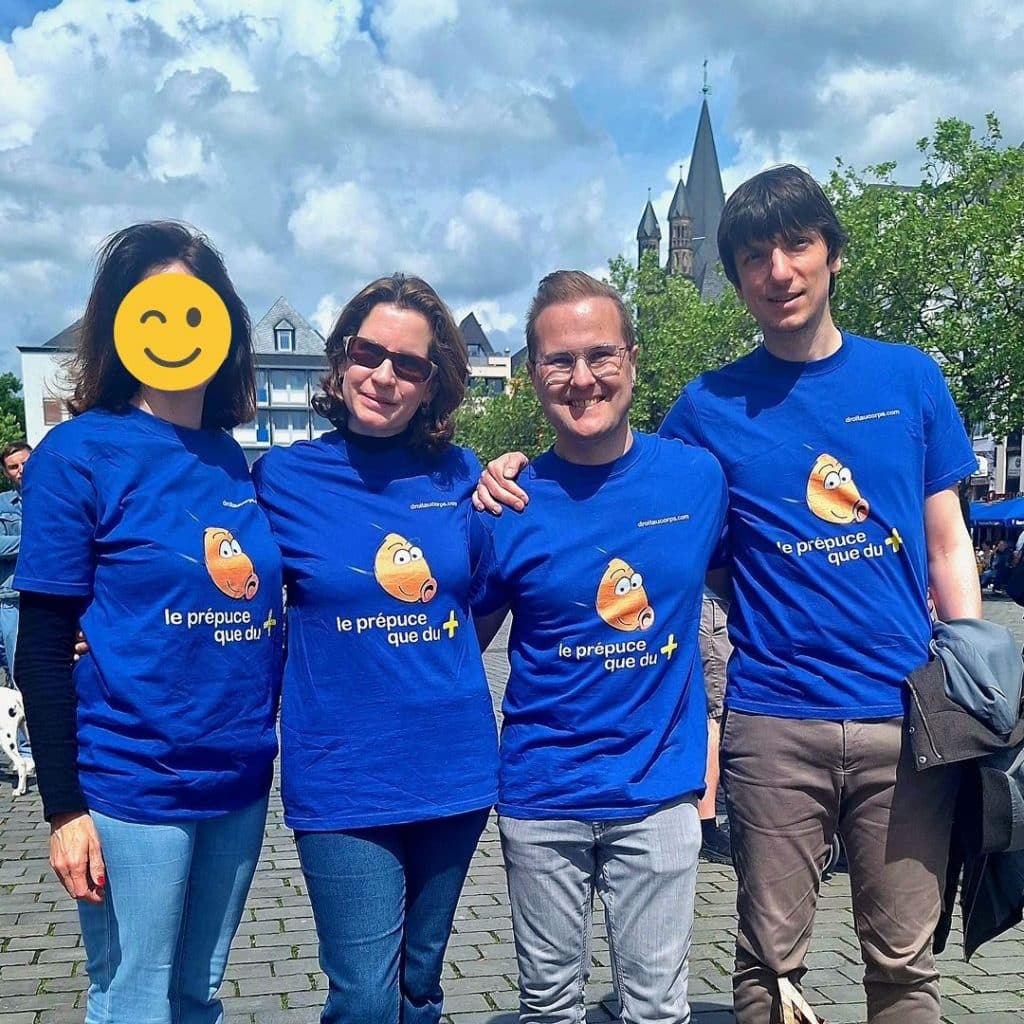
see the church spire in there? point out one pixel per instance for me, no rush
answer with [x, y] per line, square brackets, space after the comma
[648, 234]
[680, 233]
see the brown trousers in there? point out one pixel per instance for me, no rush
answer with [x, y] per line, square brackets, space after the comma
[790, 785]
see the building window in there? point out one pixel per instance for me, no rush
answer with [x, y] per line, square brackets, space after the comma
[284, 337]
[53, 410]
[289, 425]
[262, 393]
[263, 427]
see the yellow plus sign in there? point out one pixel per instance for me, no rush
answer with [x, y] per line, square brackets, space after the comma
[895, 541]
[451, 625]
[669, 649]
[271, 621]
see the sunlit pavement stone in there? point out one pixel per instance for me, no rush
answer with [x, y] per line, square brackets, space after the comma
[274, 978]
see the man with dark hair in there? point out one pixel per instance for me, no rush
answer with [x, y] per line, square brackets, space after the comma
[13, 457]
[842, 456]
[603, 743]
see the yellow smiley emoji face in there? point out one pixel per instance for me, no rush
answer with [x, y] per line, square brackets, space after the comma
[172, 332]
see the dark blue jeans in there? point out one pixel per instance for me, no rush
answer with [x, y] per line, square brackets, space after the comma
[384, 900]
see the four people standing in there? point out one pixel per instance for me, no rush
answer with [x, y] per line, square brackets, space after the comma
[841, 503]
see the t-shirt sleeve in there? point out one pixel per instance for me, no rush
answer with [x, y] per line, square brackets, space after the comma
[949, 456]
[681, 422]
[59, 527]
[720, 553]
[489, 590]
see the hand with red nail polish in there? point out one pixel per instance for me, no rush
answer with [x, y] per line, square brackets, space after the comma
[76, 857]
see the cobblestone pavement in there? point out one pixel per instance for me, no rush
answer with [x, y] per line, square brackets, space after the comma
[274, 978]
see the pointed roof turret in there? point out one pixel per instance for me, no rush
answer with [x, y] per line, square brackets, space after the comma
[649, 228]
[679, 208]
[704, 194]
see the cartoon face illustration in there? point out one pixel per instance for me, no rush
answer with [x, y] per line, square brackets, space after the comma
[172, 331]
[621, 598]
[230, 568]
[402, 571]
[832, 495]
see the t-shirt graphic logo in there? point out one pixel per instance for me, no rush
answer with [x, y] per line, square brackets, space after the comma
[832, 495]
[230, 568]
[621, 599]
[402, 571]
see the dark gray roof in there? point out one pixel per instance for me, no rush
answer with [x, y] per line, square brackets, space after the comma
[291, 360]
[308, 340]
[473, 334]
[707, 276]
[704, 195]
[648, 225]
[678, 207]
[518, 359]
[66, 340]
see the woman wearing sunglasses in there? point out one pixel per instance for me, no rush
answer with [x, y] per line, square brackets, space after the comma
[389, 749]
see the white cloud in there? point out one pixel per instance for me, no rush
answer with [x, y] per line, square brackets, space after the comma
[326, 312]
[490, 315]
[479, 145]
[401, 22]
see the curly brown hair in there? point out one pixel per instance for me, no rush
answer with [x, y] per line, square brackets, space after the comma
[433, 424]
[98, 376]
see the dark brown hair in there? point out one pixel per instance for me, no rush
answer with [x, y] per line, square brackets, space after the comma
[570, 286]
[97, 375]
[782, 202]
[14, 446]
[433, 424]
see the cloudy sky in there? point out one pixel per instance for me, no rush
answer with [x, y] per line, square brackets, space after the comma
[479, 143]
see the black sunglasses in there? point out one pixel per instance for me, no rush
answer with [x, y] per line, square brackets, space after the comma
[370, 354]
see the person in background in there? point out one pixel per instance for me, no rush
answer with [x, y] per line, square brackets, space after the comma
[13, 458]
[715, 651]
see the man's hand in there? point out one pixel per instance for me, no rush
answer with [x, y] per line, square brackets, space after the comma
[75, 856]
[497, 486]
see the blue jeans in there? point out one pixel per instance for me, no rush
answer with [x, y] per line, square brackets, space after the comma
[384, 899]
[157, 946]
[645, 872]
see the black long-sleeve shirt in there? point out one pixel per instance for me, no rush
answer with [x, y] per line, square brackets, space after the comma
[45, 657]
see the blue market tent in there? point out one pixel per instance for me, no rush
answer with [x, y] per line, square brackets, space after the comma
[998, 513]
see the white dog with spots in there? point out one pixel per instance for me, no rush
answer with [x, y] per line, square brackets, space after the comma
[12, 719]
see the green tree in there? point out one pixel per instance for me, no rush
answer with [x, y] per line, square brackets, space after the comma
[679, 337]
[12, 416]
[940, 265]
[509, 422]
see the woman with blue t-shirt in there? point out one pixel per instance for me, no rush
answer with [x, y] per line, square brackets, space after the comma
[388, 742]
[155, 757]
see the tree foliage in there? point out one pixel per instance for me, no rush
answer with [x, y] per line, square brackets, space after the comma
[679, 337]
[941, 265]
[509, 422]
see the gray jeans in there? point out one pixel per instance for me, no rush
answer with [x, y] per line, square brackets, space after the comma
[791, 784]
[645, 872]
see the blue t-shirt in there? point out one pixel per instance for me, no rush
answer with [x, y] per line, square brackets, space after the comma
[156, 526]
[605, 714]
[828, 464]
[385, 716]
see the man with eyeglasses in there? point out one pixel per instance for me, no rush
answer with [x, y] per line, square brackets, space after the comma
[842, 456]
[604, 737]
